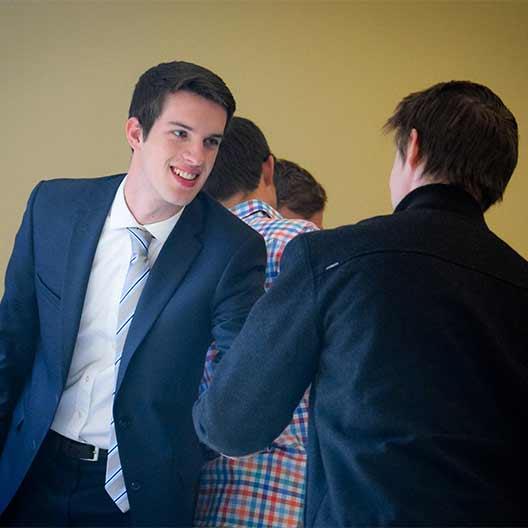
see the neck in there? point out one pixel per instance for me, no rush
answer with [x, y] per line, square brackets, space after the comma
[238, 198]
[140, 202]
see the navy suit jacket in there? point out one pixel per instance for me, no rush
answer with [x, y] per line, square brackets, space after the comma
[413, 330]
[209, 273]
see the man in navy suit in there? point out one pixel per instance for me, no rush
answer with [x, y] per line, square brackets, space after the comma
[99, 367]
[412, 330]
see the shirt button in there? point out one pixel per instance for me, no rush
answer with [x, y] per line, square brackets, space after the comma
[135, 485]
[87, 379]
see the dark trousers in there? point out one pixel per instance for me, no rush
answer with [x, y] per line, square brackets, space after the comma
[63, 491]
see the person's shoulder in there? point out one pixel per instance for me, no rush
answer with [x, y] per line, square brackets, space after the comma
[281, 229]
[296, 225]
[222, 220]
[70, 191]
[325, 247]
[365, 235]
[509, 265]
[469, 244]
[75, 183]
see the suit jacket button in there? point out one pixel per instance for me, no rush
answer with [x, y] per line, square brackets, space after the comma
[135, 485]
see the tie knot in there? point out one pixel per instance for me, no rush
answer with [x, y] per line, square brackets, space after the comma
[140, 239]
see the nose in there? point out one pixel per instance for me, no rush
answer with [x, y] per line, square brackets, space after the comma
[194, 154]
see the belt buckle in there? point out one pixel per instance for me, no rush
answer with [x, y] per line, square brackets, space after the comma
[94, 457]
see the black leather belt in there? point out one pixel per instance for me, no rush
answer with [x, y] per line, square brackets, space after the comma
[74, 449]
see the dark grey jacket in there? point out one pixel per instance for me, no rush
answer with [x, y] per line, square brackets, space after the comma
[413, 330]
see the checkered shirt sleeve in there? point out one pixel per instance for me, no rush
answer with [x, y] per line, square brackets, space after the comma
[265, 489]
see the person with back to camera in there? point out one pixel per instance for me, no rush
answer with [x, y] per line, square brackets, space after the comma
[411, 328]
[266, 489]
[299, 194]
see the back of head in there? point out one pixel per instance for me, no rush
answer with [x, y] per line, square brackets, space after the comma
[170, 77]
[467, 137]
[239, 162]
[298, 190]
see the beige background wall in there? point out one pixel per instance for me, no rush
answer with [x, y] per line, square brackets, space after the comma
[320, 78]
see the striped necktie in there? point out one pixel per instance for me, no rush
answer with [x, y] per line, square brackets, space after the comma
[138, 271]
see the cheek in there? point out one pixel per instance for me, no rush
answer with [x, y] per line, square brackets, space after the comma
[395, 185]
[210, 159]
[392, 180]
[211, 156]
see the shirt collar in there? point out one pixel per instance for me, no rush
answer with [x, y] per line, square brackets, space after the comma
[121, 217]
[251, 207]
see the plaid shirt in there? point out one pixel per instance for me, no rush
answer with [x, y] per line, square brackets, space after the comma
[265, 489]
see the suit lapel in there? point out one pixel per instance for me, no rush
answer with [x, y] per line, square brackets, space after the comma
[170, 268]
[87, 227]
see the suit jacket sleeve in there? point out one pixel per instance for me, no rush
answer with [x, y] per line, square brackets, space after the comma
[18, 319]
[260, 382]
[237, 291]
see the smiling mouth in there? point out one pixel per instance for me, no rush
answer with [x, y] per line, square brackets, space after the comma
[185, 175]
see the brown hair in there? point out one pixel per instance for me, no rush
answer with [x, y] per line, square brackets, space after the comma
[297, 189]
[169, 77]
[467, 137]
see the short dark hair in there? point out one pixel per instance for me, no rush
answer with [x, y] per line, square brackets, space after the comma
[467, 137]
[156, 83]
[238, 166]
[297, 189]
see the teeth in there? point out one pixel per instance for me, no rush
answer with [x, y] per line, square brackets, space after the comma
[185, 175]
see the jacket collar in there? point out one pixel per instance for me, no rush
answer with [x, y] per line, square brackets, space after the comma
[179, 251]
[175, 259]
[442, 196]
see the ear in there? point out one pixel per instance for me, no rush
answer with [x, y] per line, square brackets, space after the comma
[412, 154]
[268, 168]
[134, 132]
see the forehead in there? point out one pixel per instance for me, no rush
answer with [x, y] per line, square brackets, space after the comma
[193, 110]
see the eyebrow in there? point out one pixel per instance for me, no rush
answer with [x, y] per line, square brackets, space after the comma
[190, 129]
[183, 125]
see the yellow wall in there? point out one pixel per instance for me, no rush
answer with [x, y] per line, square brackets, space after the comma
[320, 78]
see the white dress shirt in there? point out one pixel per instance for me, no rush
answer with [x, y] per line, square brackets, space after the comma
[85, 409]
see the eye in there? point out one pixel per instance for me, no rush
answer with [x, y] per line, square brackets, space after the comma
[212, 142]
[180, 133]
